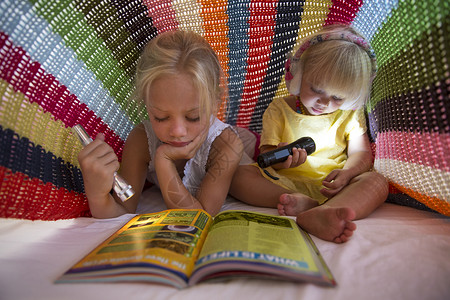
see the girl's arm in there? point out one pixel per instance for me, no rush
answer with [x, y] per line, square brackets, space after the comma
[99, 162]
[134, 166]
[224, 157]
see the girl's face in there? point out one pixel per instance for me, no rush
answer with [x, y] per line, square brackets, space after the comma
[317, 100]
[174, 110]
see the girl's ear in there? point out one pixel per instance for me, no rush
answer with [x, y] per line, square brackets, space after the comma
[293, 86]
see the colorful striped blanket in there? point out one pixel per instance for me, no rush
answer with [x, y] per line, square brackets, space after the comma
[68, 62]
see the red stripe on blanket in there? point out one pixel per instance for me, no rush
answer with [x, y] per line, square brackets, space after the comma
[423, 148]
[23, 197]
[343, 11]
[163, 15]
[261, 32]
[30, 78]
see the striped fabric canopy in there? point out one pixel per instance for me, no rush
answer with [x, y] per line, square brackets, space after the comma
[65, 62]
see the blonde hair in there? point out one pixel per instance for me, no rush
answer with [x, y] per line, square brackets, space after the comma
[172, 53]
[336, 58]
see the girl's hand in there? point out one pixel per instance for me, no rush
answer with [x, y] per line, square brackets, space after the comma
[297, 158]
[98, 163]
[187, 152]
[223, 159]
[335, 182]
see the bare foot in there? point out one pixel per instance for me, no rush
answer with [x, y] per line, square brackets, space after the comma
[293, 204]
[329, 223]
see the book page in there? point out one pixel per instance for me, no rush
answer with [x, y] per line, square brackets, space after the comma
[257, 238]
[168, 240]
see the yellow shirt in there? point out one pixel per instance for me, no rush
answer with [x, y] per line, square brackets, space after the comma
[330, 132]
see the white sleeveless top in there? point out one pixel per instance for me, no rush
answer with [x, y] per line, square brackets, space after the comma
[195, 168]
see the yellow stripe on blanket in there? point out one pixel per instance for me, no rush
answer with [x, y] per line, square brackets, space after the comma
[29, 120]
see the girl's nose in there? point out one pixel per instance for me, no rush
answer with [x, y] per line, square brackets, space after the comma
[178, 128]
[324, 101]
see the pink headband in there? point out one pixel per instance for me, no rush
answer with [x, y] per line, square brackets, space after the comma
[328, 37]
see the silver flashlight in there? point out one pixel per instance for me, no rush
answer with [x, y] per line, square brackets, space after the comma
[123, 190]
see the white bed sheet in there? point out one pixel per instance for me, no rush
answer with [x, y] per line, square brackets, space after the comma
[396, 253]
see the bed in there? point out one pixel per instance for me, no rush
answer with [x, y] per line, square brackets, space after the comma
[397, 253]
[64, 63]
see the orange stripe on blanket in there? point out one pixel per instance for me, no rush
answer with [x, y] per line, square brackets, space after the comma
[215, 20]
[423, 180]
[434, 203]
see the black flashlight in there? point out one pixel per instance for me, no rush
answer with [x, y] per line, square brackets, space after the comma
[281, 154]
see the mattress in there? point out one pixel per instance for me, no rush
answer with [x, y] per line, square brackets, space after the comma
[397, 252]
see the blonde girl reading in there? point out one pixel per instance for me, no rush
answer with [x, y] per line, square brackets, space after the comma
[329, 79]
[183, 148]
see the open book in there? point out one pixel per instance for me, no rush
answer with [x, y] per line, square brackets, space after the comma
[183, 247]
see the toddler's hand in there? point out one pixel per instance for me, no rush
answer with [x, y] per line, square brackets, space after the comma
[335, 182]
[98, 163]
[297, 158]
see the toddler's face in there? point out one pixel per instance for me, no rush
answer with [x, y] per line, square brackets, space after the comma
[317, 100]
[174, 110]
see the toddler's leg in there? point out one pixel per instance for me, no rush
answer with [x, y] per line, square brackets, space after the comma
[249, 186]
[334, 224]
[333, 221]
[295, 203]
